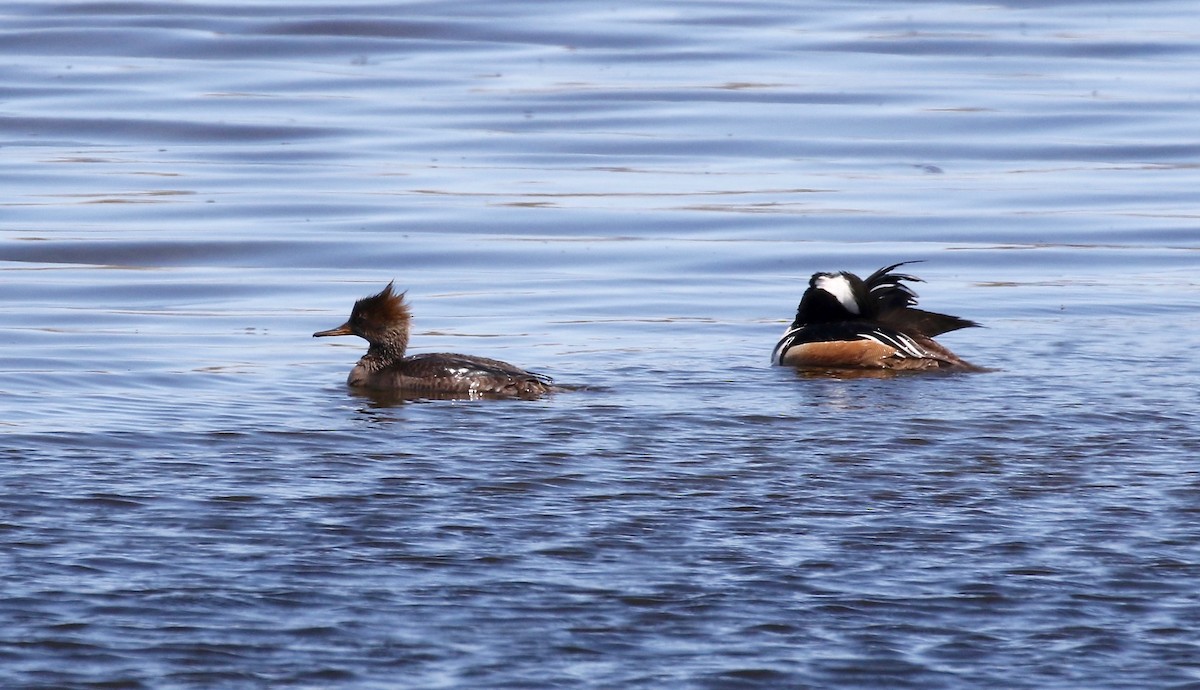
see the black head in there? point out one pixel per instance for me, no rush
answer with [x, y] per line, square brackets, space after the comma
[836, 296]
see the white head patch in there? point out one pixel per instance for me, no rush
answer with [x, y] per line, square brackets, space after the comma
[838, 285]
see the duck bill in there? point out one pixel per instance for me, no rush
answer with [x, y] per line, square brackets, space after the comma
[343, 329]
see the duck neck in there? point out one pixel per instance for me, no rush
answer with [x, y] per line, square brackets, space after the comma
[388, 351]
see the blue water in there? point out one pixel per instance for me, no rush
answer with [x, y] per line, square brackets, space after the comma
[630, 199]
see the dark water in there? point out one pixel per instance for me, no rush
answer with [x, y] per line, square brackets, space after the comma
[628, 198]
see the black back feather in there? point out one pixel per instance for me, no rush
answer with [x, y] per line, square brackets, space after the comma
[893, 303]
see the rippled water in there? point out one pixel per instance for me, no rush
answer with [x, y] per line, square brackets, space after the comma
[628, 198]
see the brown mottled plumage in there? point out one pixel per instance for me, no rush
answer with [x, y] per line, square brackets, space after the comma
[845, 322]
[383, 321]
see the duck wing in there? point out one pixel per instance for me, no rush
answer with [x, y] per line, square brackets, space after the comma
[927, 323]
[481, 374]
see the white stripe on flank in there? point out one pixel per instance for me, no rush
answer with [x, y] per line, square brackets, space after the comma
[785, 342]
[904, 345]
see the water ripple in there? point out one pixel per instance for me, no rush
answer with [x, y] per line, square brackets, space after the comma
[630, 199]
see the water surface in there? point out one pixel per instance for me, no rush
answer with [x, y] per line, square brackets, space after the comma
[629, 199]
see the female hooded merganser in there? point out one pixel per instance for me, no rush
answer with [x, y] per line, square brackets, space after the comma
[382, 320]
[845, 322]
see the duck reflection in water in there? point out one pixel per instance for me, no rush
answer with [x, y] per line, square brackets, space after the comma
[383, 321]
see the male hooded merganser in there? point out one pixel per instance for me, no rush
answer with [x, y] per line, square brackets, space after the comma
[382, 320]
[845, 322]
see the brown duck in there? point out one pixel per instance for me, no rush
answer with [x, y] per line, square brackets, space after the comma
[383, 321]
